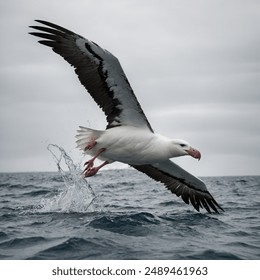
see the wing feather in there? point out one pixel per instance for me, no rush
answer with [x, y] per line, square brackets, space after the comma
[190, 188]
[99, 72]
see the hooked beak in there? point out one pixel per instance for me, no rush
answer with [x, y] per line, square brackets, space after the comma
[194, 153]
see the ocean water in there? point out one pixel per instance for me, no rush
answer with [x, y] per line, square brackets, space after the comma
[122, 214]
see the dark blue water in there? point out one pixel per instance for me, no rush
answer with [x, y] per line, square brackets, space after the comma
[122, 214]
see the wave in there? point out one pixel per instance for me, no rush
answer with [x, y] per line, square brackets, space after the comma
[126, 224]
[213, 255]
[75, 248]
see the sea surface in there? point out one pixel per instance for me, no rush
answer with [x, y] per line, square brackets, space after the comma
[122, 214]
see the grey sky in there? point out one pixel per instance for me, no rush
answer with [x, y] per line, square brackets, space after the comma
[194, 66]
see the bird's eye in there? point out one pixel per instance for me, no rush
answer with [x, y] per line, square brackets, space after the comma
[182, 145]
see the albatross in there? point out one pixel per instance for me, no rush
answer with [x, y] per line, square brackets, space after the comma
[128, 137]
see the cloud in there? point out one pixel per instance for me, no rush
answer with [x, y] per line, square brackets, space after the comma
[194, 66]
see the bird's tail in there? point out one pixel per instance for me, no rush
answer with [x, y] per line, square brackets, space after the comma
[87, 137]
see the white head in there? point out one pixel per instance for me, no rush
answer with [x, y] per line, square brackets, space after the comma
[182, 148]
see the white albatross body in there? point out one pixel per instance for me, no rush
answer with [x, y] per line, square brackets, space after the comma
[129, 137]
[129, 145]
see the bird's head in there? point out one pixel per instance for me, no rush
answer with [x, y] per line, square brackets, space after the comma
[183, 148]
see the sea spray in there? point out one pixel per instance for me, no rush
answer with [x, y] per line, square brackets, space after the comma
[76, 194]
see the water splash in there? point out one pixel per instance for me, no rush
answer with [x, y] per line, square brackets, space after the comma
[76, 194]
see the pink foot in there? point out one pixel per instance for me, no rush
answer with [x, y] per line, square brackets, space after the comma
[89, 170]
[88, 164]
[93, 171]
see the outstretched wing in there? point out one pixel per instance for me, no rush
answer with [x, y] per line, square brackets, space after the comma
[99, 72]
[180, 182]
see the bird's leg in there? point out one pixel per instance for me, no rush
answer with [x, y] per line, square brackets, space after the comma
[91, 144]
[92, 171]
[89, 164]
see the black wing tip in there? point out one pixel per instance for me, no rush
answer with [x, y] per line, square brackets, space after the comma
[44, 22]
[53, 27]
[41, 21]
[50, 35]
[211, 204]
[208, 204]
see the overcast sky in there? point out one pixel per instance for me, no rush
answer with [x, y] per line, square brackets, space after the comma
[194, 66]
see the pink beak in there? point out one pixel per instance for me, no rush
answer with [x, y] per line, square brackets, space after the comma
[194, 153]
